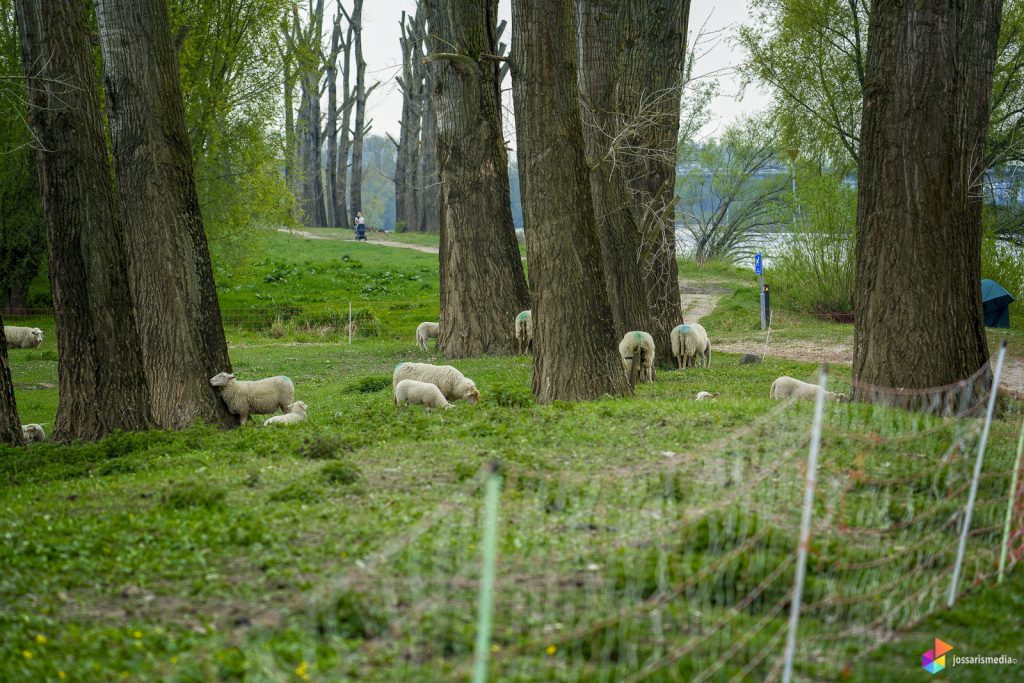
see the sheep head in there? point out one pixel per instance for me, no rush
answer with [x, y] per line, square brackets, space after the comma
[37, 334]
[221, 379]
[472, 395]
[298, 406]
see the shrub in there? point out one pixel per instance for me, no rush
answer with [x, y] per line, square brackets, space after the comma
[369, 384]
[341, 473]
[191, 494]
[511, 396]
[326, 447]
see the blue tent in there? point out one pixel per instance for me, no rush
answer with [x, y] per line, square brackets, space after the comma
[996, 302]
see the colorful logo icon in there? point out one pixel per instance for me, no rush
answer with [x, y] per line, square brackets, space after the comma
[934, 661]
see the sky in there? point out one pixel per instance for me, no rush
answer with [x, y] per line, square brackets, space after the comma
[718, 17]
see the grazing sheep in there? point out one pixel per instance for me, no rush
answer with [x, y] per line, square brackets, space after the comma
[704, 396]
[424, 393]
[33, 433]
[260, 396]
[522, 328]
[427, 331]
[296, 414]
[789, 387]
[452, 383]
[23, 337]
[637, 351]
[750, 359]
[690, 343]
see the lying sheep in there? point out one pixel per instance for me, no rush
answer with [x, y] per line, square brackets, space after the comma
[427, 331]
[522, 328]
[790, 387]
[704, 396]
[452, 383]
[296, 414]
[33, 433]
[23, 337]
[690, 343]
[428, 395]
[637, 351]
[260, 396]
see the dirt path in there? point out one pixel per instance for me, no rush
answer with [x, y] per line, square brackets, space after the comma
[380, 243]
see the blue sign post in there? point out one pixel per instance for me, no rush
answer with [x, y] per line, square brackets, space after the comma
[758, 264]
[759, 270]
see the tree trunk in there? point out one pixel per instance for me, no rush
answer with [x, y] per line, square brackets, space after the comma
[575, 350]
[175, 299]
[619, 232]
[101, 382]
[289, 123]
[918, 304]
[331, 73]
[405, 142]
[356, 187]
[341, 208]
[428, 184]
[482, 281]
[653, 36]
[10, 424]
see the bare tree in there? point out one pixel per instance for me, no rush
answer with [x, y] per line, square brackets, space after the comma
[576, 355]
[171, 275]
[361, 126]
[10, 424]
[334, 211]
[306, 49]
[101, 382]
[410, 83]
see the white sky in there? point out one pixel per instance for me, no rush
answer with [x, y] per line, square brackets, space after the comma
[383, 59]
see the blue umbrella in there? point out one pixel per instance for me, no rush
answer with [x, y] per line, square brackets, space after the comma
[996, 302]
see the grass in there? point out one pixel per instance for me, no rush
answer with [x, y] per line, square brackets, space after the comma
[199, 555]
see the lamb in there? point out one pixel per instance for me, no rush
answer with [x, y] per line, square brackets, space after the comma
[788, 387]
[704, 396]
[33, 433]
[637, 351]
[522, 328]
[452, 383]
[428, 395]
[690, 346]
[23, 337]
[296, 414]
[427, 331]
[259, 396]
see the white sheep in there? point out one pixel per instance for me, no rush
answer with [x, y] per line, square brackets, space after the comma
[23, 337]
[424, 393]
[704, 396]
[790, 387]
[33, 433]
[259, 396]
[690, 343]
[637, 351]
[296, 414]
[452, 383]
[522, 329]
[427, 331]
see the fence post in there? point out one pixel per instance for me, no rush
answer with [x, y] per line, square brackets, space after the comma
[489, 552]
[349, 322]
[805, 524]
[1009, 505]
[966, 528]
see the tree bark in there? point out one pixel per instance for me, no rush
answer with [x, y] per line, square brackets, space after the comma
[171, 275]
[428, 184]
[618, 229]
[356, 186]
[345, 140]
[331, 73]
[482, 281]
[10, 424]
[100, 372]
[575, 350]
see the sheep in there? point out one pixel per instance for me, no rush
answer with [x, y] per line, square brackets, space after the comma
[704, 396]
[452, 383]
[33, 433]
[23, 337]
[788, 387]
[427, 331]
[637, 351]
[296, 414]
[428, 395]
[690, 343]
[522, 328]
[259, 396]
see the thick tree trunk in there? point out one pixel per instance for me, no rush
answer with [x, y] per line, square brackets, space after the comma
[175, 299]
[619, 232]
[356, 186]
[10, 424]
[482, 281]
[341, 207]
[918, 304]
[331, 73]
[575, 349]
[309, 151]
[101, 382]
[653, 36]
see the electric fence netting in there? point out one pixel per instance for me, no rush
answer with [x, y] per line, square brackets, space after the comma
[684, 567]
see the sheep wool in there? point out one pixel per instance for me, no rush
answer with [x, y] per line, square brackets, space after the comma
[690, 346]
[410, 391]
[637, 351]
[33, 433]
[522, 330]
[452, 383]
[704, 396]
[255, 397]
[23, 337]
[427, 331]
[789, 387]
[296, 414]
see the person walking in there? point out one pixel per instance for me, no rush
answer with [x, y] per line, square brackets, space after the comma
[360, 227]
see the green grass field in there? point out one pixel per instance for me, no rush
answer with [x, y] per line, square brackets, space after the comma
[209, 555]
